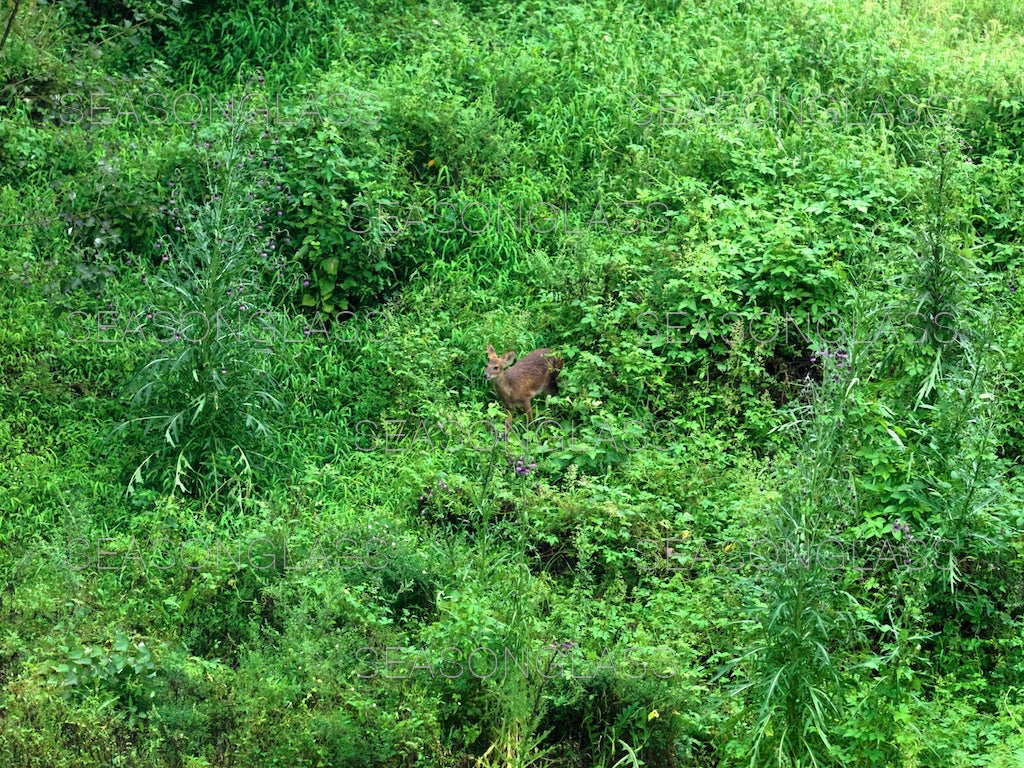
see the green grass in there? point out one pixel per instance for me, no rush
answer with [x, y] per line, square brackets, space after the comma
[709, 193]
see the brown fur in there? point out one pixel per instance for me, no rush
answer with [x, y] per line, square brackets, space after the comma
[517, 384]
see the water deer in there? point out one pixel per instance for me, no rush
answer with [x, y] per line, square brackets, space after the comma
[517, 384]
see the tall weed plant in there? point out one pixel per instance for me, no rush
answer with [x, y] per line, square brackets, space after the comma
[208, 398]
[950, 411]
[801, 616]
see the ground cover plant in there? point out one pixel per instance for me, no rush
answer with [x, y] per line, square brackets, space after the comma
[259, 506]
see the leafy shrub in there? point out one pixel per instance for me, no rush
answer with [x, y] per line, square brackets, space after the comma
[127, 671]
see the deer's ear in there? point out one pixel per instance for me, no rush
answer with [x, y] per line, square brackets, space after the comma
[508, 357]
[490, 351]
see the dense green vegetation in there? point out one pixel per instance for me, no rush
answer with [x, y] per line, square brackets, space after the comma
[256, 504]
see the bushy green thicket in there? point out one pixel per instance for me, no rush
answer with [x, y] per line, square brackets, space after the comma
[773, 514]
